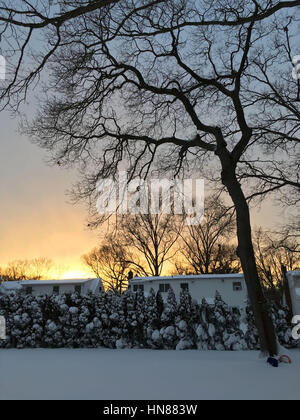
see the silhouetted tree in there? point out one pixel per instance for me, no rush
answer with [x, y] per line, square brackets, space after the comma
[205, 248]
[110, 262]
[35, 269]
[152, 238]
[273, 251]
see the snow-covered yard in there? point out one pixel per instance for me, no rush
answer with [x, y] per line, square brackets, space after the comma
[144, 374]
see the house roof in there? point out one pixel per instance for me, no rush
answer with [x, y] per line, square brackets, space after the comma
[190, 277]
[11, 285]
[18, 284]
[295, 273]
[54, 282]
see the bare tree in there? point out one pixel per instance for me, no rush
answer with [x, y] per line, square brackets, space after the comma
[40, 268]
[289, 237]
[16, 270]
[132, 78]
[274, 166]
[35, 269]
[205, 247]
[223, 260]
[152, 238]
[110, 263]
[272, 252]
[140, 243]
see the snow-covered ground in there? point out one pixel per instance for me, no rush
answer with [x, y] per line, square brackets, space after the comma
[144, 374]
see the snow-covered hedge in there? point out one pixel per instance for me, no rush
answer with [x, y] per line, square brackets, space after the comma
[132, 321]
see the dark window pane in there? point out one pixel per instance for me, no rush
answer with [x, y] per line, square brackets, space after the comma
[55, 289]
[141, 287]
[78, 289]
[167, 287]
[237, 286]
[135, 287]
[185, 286]
[236, 311]
[161, 288]
[28, 290]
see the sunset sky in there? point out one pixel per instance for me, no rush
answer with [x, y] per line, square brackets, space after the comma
[35, 217]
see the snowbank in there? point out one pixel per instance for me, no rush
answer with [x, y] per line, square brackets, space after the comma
[144, 374]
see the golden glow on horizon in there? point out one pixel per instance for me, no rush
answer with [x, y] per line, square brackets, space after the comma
[73, 270]
[75, 274]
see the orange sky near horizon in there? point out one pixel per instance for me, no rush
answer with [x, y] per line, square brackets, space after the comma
[35, 218]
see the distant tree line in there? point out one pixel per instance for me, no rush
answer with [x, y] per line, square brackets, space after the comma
[33, 269]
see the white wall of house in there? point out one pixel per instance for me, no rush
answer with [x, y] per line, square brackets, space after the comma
[232, 287]
[50, 287]
[294, 285]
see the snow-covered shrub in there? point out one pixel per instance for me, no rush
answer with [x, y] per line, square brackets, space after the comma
[282, 322]
[152, 320]
[185, 327]
[132, 320]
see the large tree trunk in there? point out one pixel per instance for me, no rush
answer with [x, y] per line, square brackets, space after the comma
[268, 340]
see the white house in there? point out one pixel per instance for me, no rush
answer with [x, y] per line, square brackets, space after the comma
[232, 287]
[293, 278]
[49, 287]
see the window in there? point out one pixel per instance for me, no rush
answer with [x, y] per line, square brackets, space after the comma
[78, 289]
[236, 311]
[237, 286]
[184, 286]
[28, 290]
[56, 290]
[138, 287]
[164, 287]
